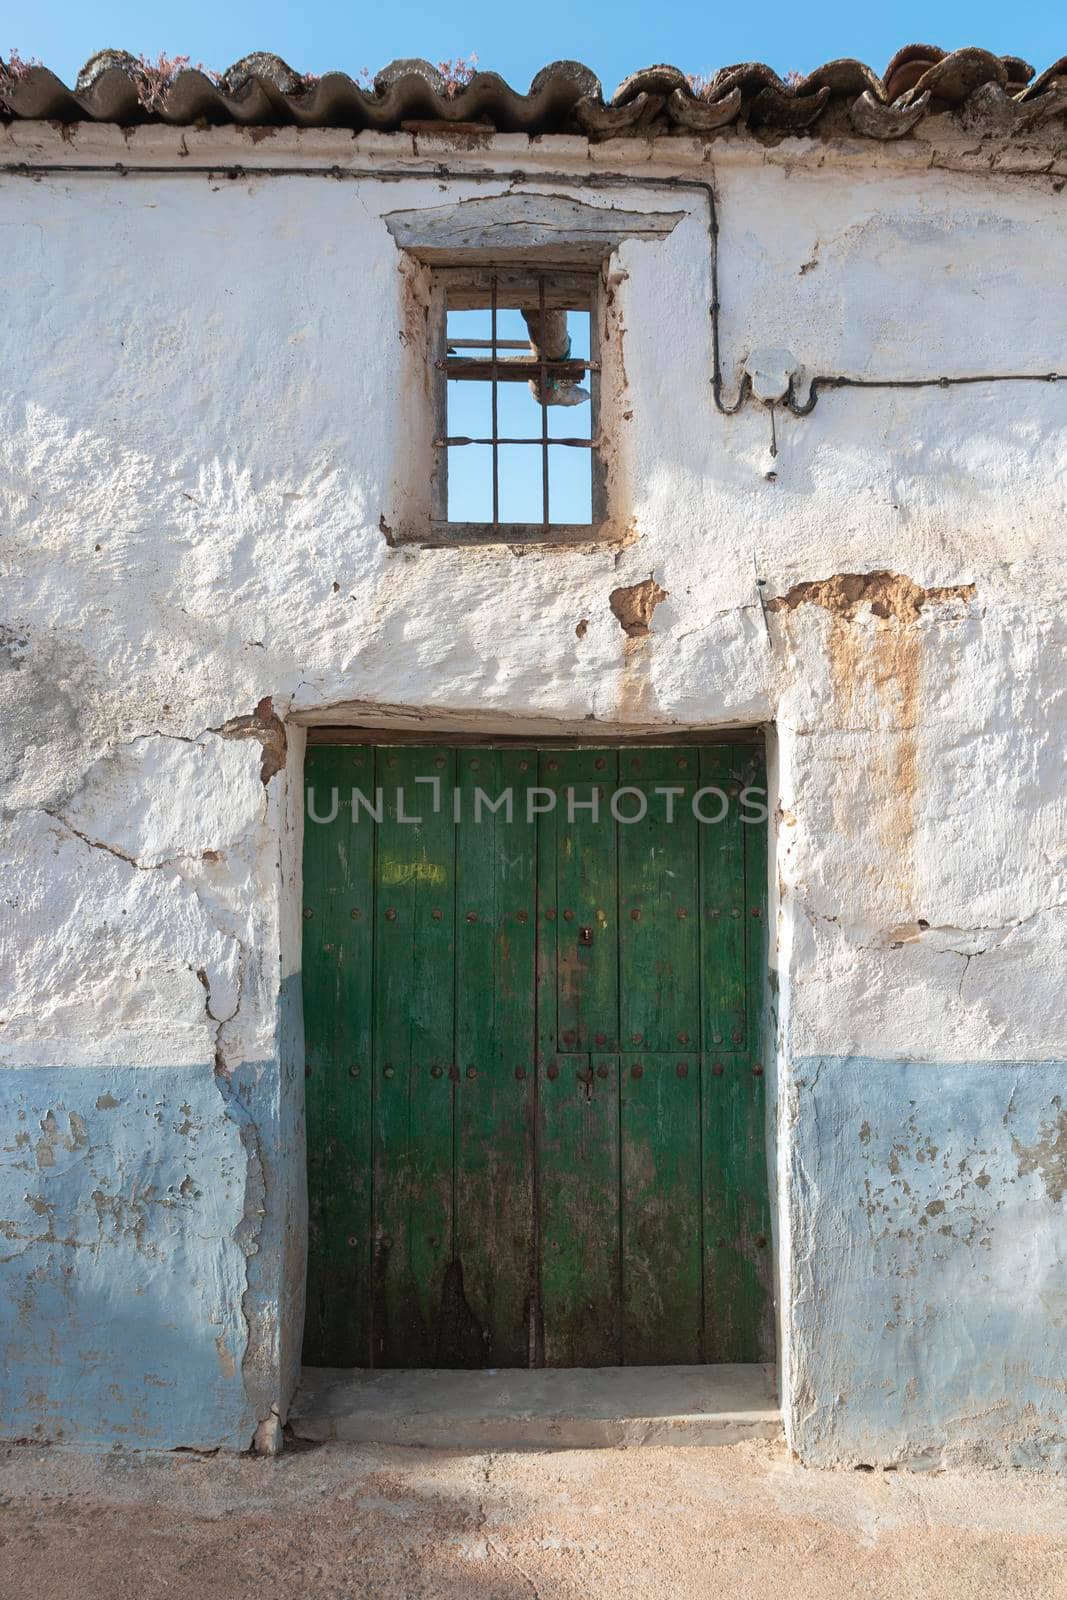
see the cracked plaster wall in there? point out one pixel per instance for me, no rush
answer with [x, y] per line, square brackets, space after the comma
[194, 468]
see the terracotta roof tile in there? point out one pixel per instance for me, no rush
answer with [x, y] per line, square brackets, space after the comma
[840, 97]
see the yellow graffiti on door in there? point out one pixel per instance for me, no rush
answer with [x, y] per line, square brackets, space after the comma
[394, 872]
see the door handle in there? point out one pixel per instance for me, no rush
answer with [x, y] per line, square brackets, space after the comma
[585, 936]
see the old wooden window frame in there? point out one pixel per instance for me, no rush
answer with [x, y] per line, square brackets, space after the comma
[497, 287]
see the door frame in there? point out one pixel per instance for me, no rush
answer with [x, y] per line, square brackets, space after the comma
[402, 726]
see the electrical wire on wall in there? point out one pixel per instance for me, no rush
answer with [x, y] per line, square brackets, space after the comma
[581, 180]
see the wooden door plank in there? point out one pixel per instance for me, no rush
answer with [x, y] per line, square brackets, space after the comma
[662, 1298]
[756, 838]
[415, 873]
[722, 885]
[413, 1055]
[412, 1210]
[337, 984]
[659, 901]
[495, 1054]
[579, 1202]
[738, 1296]
[547, 846]
[587, 968]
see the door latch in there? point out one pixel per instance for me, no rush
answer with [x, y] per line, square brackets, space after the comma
[585, 936]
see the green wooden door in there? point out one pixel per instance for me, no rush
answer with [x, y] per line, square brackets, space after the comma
[535, 1109]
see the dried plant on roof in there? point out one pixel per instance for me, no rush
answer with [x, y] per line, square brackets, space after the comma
[458, 73]
[154, 78]
[703, 84]
[15, 67]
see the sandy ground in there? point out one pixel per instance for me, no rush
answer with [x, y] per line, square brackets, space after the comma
[347, 1520]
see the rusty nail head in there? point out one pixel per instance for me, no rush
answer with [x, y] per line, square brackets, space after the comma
[523, 765]
[682, 762]
[388, 1072]
[761, 1241]
[635, 916]
[601, 1038]
[682, 1069]
[520, 1073]
[353, 1241]
[553, 1071]
[569, 1038]
[390, 915]
[716, 1038]
[738, 1038]
[635, 1038]
[436, 1071]
[438, 761]
[636, 1070]
[472, 1072]
[716, 1070]
[755, 911]
[602, 1070]
[757, 1070]
[568, 916]
[355, 913]
[550, 916]
[682, 913]
[524, 916]
[736, 912]
[308, 913]
[436, 914]
[683, 1038]
[472, 916]
[474, 766]
[353, 1071]
[553, 766]
[600, 763]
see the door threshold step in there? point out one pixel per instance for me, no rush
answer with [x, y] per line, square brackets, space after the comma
[548, 1408]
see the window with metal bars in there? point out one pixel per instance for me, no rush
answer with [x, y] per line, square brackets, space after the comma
[517, 387]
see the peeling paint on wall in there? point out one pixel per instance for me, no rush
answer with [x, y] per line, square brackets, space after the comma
[1047, 1155]
[635, 605]
[265, 725]
[885, 594]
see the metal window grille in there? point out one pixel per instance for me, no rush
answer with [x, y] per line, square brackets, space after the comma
[496, 360]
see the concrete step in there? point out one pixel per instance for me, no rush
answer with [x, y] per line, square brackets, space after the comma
[558, 1408]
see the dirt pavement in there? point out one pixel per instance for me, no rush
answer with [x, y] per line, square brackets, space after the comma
[342, 1521]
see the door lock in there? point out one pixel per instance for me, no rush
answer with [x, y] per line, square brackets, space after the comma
[585, 936]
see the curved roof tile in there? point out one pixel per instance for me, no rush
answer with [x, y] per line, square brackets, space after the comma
[565, 97]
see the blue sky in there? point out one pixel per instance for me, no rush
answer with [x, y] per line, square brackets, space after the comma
[613, 40]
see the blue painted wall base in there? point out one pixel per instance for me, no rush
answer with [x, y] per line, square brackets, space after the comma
[928, 1211]
[132, 1201]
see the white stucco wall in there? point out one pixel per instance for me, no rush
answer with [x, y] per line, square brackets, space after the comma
[206, 414]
